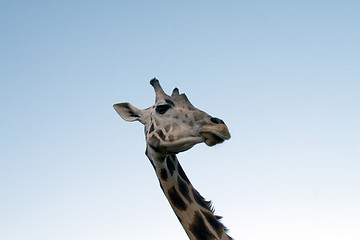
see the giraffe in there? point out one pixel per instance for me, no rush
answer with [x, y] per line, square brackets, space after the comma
[174, 125]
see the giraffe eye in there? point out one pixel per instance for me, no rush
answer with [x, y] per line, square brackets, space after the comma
[161, 109]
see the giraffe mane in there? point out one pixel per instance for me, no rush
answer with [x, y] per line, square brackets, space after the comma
[208, 204]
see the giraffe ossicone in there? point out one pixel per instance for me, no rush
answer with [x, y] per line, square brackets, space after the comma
[174, 125]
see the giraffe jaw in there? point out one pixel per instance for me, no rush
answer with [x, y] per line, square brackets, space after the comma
[177, 146]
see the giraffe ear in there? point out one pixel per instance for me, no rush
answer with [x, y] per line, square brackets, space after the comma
[128, 112]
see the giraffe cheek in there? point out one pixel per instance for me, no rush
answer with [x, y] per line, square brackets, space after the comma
[171, 138]
[153, 141]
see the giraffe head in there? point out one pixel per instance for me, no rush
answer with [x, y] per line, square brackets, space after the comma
[173, 124]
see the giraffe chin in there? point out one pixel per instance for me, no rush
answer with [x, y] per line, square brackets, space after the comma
[211, 139]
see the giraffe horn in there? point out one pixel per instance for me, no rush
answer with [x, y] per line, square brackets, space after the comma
[160, 94]
[175, 92]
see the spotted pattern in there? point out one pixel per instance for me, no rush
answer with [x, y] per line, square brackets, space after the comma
[154, 140]
[170, 165]
[199, 228]
[171, 138]
[167, 128]
[161, 134]
[173, 180]
[205, 224]
[184, 189]
[200, 200]
[176, 199]
[163, 174]
[151, 128]
[215, 224]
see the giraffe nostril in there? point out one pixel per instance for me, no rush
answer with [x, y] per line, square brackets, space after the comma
[216, 120]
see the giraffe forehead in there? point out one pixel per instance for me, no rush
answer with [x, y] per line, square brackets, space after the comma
[174, 123]
[178, 114]
[179, 100]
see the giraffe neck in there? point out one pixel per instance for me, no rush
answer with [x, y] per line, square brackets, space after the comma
[195, 214]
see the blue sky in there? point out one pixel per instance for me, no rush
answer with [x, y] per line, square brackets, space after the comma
[284, 76]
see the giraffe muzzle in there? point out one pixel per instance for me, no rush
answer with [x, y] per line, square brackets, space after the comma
[214, 134]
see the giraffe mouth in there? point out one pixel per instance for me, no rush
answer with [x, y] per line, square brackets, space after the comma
[214, 134]
[179, 145]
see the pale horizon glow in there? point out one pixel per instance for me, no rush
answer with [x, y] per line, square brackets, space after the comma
[284, 76]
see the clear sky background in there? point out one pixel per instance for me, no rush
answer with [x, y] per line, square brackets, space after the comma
[283, 75]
